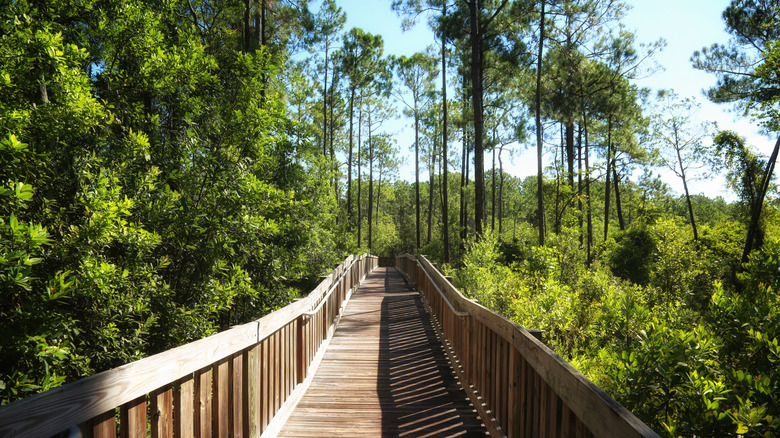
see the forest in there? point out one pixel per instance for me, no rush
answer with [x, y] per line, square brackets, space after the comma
[170, 168]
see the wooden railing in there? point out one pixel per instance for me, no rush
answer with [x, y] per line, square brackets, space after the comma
[518, 385]
[241, 382]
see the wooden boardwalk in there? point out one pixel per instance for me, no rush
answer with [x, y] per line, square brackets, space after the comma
[384, 373]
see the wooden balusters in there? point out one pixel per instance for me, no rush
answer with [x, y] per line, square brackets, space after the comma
[526, 389]
[133, 421]
[230, 384]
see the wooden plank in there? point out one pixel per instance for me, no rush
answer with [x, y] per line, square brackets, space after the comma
[264, 384]
[512, 396]
[566, 420]
[274, 374]
[51, 412]
[581, 431]
[133, 418]
[203, 395]
[293, 355]
[558, 420]
[240, 395]
[288, 362]
[295, 395]
[384, 373]
[285, 364]
[255, 402]
[502, 389]
[483, 366]
[104, 425]
[162, 413]
[601, 414]
[282, 365]
[299, 342]
[221, 399]
[495, 376]
[298, 352]
[184, 408]
[544, 409]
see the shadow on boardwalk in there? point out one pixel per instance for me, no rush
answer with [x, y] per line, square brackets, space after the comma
[385, 373]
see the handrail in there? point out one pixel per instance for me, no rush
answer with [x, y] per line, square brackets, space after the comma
[330, 291]
[444, 297]
[239, 382]
[517, 384]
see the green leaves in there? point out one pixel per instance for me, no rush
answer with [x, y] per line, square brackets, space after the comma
[11, 144]
[150, 194]
[746, 68]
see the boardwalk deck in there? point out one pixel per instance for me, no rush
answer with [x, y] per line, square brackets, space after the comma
[385, 373]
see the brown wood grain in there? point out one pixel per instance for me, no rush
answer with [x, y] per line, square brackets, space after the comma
[264, 379]
[184, 408]
[599, 413]
[203, 407]
[384, 373]
[162, 413]
[221, 399]
[253, 389]
[133, 418]
[104, 425]
[240, 394]
[85, 400]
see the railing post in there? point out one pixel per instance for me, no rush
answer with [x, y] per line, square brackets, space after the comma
[300, 352]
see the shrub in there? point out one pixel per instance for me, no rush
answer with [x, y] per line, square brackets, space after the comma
[633, 254]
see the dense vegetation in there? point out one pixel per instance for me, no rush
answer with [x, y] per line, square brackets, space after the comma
[154, 187]
[169, 168]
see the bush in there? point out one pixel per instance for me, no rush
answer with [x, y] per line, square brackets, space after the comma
[633, 254]
[483, 278]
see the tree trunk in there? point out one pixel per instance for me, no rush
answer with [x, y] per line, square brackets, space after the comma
[360, 175]
[501, 193]
[262, 42]
[569, 135]
[461, 216]
[445, 204]
[579, 182]
[263, 25]
[370, 184]
[493, 191]
[476, 101]
[685, 183]
[753, 230]
[465, 198]
[325, 106]
[690, 209]
[618, 205]
[539, 130]
[464, 170]
[558, 210]
[350, 216]
[247, 25]
[333, 164]
[43, 92]
[378, 195]
[417, 170]
[430, 195]
[607, 186]
[588, 204]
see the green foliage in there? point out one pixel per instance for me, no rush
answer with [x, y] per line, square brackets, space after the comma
[153, 189]
[633, 254]
[746, 67]
[484, 279]
[676, 265]
[687, 355]
[668, 378]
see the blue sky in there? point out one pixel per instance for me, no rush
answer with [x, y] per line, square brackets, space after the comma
[686, 25]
